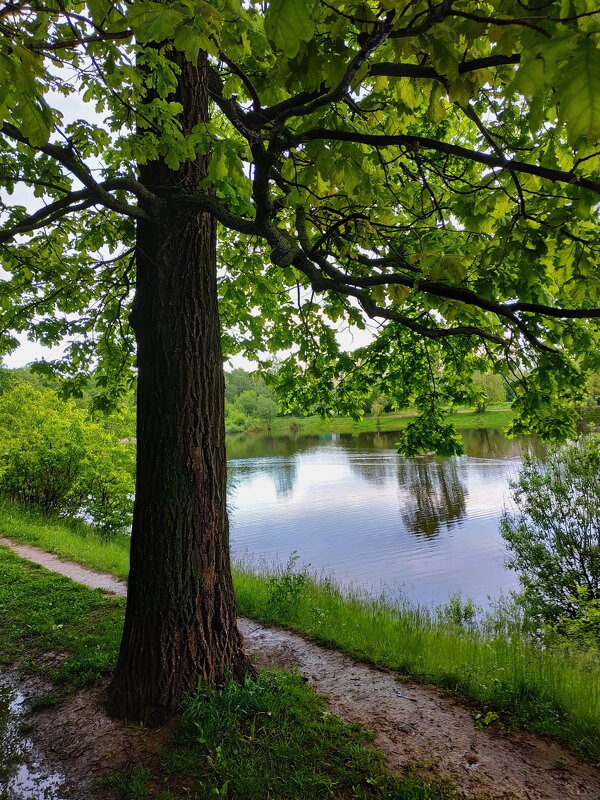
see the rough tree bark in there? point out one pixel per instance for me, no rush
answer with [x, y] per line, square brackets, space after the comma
[180, 621]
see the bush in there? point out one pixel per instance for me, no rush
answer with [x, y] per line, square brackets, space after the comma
[55, 459]
[554, 537]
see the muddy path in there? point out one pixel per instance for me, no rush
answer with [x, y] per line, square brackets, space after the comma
[413, 722]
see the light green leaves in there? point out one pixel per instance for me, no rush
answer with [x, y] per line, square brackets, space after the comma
[579, 92]
[289, 22]
[154, 22]
[189, 24]
[35, 117]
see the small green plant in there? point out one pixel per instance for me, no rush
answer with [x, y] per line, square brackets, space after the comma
[286, 590]
[457, 611]
[126, 785]
[485, 720]
[47, 700]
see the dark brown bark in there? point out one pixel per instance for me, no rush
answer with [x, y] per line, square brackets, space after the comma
[180, 621]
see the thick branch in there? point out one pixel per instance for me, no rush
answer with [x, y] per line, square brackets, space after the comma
[392, 70]
[73, 201]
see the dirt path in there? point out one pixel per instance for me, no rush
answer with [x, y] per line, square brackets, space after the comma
[413, 722]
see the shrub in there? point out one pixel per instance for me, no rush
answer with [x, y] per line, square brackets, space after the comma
[55, 459]
[554, 536]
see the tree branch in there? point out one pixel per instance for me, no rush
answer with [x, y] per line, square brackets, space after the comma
[67, 158]
[415, 142]
[392, 70]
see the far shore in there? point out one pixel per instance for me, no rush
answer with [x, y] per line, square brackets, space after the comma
[496, 417]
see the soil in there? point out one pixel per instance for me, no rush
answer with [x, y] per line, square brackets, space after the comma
[415, 724]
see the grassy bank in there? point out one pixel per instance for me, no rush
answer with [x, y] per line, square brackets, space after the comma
[269, 737]
[71, 540]
[496, 418]
[554, 692]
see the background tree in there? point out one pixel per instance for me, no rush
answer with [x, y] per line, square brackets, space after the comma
[490, 387]
[266, 410]
[554, 532]
[426, 165]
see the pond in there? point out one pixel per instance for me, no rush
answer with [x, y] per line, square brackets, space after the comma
[350, 505]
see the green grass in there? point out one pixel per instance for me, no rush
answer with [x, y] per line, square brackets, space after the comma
[271, 738]
[42, 612]
[550, 691]
[497, 417]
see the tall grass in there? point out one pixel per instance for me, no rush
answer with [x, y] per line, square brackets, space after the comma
[492, 664]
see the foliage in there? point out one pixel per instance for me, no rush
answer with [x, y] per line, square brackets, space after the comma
[554, 534]
[55, 459]
[582, 629]
[266, 409]
[378, 407]
[286, 589]
[427, 165]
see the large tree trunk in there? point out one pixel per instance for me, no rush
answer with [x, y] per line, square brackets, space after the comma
[180, 621]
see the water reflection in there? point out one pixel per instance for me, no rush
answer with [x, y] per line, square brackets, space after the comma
[433, 493]
[352, 505]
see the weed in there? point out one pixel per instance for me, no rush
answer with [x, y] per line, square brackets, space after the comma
[47, 700]
[286, 590]
[485, 720]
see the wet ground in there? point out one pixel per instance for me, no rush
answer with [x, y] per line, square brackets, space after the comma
[24, 772]
[413, 723]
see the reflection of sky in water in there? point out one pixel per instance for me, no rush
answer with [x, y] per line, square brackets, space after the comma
[356, 508]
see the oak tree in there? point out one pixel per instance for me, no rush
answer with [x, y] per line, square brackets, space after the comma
[282, 170]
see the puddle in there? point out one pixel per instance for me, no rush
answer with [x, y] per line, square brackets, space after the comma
[24, 775]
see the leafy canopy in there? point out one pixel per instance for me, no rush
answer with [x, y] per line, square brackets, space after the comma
[431, 167]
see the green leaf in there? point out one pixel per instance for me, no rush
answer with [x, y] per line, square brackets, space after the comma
[36, 119]
[153, 22]
[190, 41]
[288, 22]
[579, 93]
[530, 78]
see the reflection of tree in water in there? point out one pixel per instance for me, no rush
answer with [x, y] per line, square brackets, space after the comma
[373, 470]
[284, 476]
[489, 443]
[435, 494]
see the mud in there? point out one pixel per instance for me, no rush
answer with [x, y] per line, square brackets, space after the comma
[414, 723]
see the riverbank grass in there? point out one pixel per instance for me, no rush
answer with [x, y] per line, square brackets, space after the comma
[73, 540]
[42, 612]
[270, 736]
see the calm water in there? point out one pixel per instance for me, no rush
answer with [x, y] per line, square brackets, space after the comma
[351, 505]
